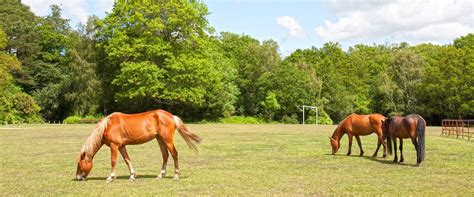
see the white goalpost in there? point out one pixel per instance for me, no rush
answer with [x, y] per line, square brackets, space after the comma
[314, 108]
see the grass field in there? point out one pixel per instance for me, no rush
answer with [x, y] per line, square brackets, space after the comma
[234, 160]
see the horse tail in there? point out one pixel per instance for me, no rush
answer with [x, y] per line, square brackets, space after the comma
[420, 134]
[94, 141]
[191, 139]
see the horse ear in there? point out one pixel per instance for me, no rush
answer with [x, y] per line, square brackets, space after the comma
[83, 155]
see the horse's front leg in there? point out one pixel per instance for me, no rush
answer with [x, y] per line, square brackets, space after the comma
[360, 145]
[113, 151]
[350, 144]
[133, 173]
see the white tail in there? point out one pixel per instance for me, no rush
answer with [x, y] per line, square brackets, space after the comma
[190, 138]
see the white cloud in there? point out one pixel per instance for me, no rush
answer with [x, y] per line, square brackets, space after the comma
[402, 20]
[292, 25]
[76, 10]
[105, 5]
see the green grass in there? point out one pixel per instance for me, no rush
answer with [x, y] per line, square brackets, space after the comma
[234, 160]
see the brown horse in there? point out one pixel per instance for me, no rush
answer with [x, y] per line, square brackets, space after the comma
[118, 130]
[355, 125]
[411, 126]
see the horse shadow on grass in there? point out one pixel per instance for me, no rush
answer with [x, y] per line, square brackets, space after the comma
[127, 177]
[388, 160]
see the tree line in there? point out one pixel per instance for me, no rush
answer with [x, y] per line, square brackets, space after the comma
[165, 54]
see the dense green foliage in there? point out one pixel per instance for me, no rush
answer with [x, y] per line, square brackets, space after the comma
[165, 54]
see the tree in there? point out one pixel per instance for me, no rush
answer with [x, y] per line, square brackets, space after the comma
[15, 105]
[160, 55]
[19, 24]
[270, 106]
[253, 59]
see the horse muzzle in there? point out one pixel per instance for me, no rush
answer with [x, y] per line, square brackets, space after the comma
[80, 178]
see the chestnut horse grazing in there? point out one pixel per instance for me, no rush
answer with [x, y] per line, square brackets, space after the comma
[118, 130]
[411, 126]
[355, 125]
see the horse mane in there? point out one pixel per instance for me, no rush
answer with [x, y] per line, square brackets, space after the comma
[339, 127]
[94, 141]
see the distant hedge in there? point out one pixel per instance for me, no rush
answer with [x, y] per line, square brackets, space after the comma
[241, 120]
[82, 120]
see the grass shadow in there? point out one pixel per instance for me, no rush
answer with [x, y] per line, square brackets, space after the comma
[376, 159]
[127, 177]
[388, 161]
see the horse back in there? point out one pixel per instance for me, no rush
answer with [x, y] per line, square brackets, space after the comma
[131, 128]
[363, 124]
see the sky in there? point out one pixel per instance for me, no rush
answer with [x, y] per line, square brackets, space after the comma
[300, 24]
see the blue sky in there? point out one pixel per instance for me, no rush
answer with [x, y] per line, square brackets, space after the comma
[305, 23]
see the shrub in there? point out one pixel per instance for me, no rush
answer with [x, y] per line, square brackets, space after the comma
[82, 120]
[241, 120]
[323, 118]
[73, 120]
[293, 119]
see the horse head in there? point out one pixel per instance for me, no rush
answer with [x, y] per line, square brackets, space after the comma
[334, 145]
[84, 166]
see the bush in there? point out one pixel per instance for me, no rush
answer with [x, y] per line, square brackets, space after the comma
[241, 120]
[82, 120]
[323, 118]
[293, 119]
[73, 120]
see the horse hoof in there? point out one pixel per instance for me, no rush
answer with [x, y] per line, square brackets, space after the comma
[175, 177]
[132, 178]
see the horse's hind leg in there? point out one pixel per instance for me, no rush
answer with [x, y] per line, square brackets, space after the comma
[164, 153]
[350, 144]
[401, 150]
[174, 154]
[395, 159]
[377, 149]
[133, 173]
[360, 145]
[413, 140]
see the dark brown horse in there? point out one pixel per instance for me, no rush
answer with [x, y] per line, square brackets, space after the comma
[411, 126]
[118, 130]
[356, 125]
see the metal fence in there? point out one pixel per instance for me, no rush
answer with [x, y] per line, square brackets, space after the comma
[457, 128]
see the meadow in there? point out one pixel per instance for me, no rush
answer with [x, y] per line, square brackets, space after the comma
[272, 159]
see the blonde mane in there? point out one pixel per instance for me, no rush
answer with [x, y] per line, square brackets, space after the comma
[94, 141]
